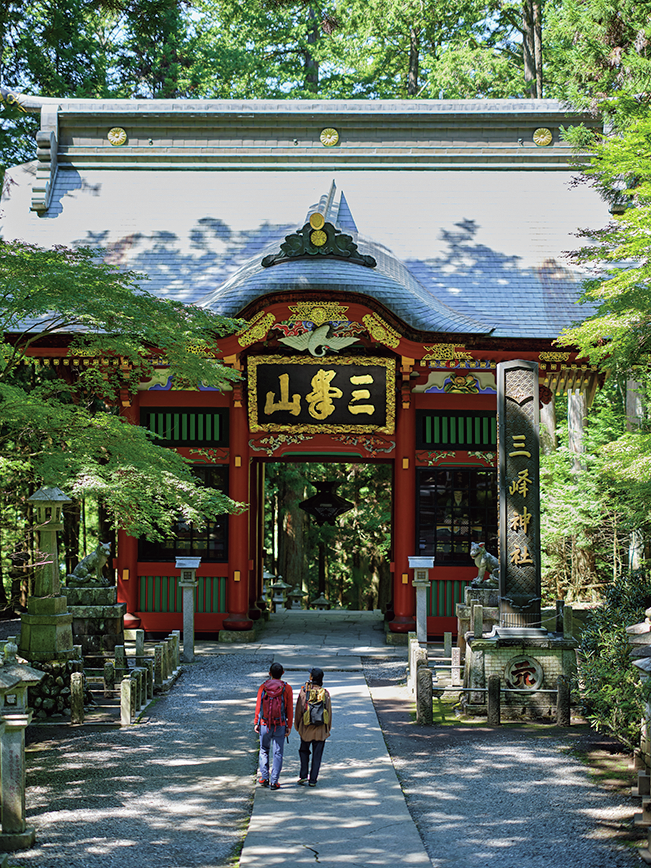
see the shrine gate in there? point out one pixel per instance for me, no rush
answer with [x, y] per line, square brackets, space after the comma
[384, 257]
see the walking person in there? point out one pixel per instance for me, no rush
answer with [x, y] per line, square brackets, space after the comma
[313, 722]
[273, 722]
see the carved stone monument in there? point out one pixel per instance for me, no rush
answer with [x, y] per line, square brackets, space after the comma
[526, 658]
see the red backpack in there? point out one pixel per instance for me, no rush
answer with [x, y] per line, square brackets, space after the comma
[273, 703]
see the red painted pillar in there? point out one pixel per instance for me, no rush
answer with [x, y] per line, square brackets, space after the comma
[127, 555]
[255, 512]
[238, 525]
[404, 521]
[127, 567]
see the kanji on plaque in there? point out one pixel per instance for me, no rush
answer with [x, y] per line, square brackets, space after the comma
[272, 406]
[289, 393]
[320, 398]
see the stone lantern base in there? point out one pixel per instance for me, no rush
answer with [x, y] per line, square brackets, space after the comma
[46, 630]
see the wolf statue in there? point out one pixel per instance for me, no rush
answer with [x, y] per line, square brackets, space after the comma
[89, 570]
[488, 567]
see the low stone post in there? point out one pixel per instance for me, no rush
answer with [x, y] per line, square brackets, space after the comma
[133, 688]
[188, 583]
[559, 616]
[109, 678]
[455, 669]
[158, 667]
[567, 622]
[563, 709]
[126, 715]
[176, 634]
[140, 646]
[121, 668]
[424, 714]
[447, 645]
[478, 620]
[77, 698]
[149, 665]
[167, 659]
[493, 700]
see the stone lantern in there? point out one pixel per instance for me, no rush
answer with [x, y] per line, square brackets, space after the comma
[46, 627]
[279, 589]
[188, 582]
[296, 597]
[15, 716]
[421, 567]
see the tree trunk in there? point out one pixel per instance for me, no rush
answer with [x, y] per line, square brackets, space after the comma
[291, 548]
[414, 56]
[576, 413]
[532, 47]
[311, 65]
[548, 428]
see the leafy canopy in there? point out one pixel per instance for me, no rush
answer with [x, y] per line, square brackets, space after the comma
[60, 425]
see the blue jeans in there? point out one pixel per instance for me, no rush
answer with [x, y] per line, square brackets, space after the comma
[274, 739]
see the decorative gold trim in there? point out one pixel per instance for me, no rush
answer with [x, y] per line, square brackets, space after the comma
[554, 356]
[317, 312]
[447, 352]
[252, 383]
[542, 137]
[317, 220]
[329, 137]
[318, 238]
[256, 330]
[380, 331]
[117, 136]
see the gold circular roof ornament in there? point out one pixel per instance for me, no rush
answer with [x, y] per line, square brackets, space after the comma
[317, 220]
[542, 137]
[117, 136]
[318, 238]
[329, 137]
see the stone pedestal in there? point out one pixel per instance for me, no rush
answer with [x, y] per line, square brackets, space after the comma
[97, 621]
[488, 599]
[529, 660]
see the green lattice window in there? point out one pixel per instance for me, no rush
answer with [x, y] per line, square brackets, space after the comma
[187, 426]
[456, 430]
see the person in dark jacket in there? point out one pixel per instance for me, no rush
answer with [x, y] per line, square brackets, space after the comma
[313, 704]
[273, 731]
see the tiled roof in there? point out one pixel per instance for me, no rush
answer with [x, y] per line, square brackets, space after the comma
[458, 251]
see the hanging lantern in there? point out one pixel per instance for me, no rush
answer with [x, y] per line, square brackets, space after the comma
[326, 505]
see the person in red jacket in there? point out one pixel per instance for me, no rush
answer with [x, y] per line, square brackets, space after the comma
[274, 714]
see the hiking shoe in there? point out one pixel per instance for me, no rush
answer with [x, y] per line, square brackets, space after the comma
[301, 782]
[312, 783]
[275, 786]
[263, 782]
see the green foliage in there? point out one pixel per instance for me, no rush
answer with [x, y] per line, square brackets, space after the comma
[60, 426]
[612, 692]
[597, 55]
[356, 549]
[618, 334]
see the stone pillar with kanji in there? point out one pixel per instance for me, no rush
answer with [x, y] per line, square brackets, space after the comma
[518, 415]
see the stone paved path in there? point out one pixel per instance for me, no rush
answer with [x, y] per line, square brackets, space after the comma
[177, 790]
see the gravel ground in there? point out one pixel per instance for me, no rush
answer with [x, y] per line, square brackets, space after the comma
[175, 791]
[513, 797]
